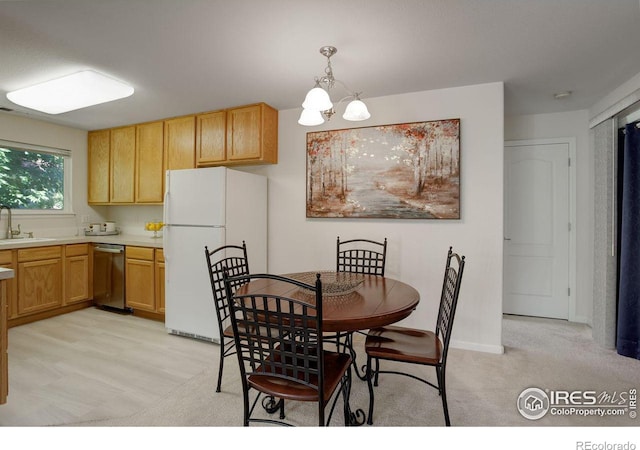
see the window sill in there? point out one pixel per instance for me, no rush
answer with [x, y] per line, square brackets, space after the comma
[15, 213]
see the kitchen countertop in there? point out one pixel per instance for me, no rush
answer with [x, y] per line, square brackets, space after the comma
[122, 239]
[5, 274]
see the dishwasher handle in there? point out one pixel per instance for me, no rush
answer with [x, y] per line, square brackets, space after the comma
[108, 250]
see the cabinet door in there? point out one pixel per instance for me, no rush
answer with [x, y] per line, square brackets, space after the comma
[140, 276]
[6, 261]
[39, 285]
[180, 143]
[4, 365]
[76, 273]
[252, 134]
[123, 148]
[243, 133]
[98, 166]
[211, 138]
[11, 288]
[160, 281]
[150, 162]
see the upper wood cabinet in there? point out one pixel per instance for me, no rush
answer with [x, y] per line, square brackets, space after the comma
[211, 137]
[122, 163]
[127, 164]
[252, 134]
[150, 162]
[242, 135]
[99, 161]
[180, 143]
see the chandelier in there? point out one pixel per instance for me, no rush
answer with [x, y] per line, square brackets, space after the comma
[317, 104]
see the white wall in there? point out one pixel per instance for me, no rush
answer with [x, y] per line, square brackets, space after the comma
[21, 129]
[615, 101]
[130, 219]
[417, 248]
[574, 124]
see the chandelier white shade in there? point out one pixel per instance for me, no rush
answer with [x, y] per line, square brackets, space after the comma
[317, 99]
[310, 118]
[318, 106]
[356, 111]
[75, 91]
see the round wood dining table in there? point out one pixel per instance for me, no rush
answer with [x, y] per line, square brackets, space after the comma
[376, 302]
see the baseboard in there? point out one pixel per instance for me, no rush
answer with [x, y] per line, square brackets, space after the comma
[464, 345]
[33, 317]
[582, 319]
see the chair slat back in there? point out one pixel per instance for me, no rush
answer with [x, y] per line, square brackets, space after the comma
[278, 336]
[361, 256]
[217, 261]
[449, 298]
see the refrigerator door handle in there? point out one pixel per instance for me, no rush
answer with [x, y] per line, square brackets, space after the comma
[167, 184]
[165, 216]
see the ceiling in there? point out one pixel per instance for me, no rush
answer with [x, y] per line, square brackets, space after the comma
[188, 56]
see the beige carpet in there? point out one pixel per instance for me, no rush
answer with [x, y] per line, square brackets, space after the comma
[482, 388]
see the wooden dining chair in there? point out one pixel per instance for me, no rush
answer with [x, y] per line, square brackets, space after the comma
[413, 346]
[280, 349]
[234, 259]
[361, 256]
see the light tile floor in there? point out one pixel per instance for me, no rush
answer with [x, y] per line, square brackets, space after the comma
[93, 364]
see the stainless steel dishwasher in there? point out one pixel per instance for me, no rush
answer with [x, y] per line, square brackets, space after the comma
[108, 277]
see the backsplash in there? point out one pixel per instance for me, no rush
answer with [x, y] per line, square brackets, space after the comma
[50, 225]
[131, 219]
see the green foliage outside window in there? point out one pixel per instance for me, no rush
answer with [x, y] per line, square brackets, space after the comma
[31, 180]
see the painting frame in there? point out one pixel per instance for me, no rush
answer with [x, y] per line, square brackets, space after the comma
[398, 171]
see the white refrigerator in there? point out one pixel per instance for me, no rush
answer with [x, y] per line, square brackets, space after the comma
[214, 207]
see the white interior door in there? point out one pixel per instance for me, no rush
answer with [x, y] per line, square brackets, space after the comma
[537, 228]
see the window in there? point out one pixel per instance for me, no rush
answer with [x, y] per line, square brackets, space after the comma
[35, 178]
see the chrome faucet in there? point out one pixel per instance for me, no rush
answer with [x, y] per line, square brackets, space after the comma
[9, 234]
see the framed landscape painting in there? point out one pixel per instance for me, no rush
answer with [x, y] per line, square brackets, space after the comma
[403, 171]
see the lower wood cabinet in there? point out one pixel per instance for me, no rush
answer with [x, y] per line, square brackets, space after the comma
[77, 270]
[140, 278]
[4, 356]
[144, 274]
[48, 281]
[53, 280]
[8, 262]
[160, 280]
[39, 279]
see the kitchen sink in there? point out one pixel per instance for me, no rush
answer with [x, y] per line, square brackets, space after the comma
[15, 241]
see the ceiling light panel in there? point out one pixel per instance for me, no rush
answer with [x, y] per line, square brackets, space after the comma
[76, 91]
